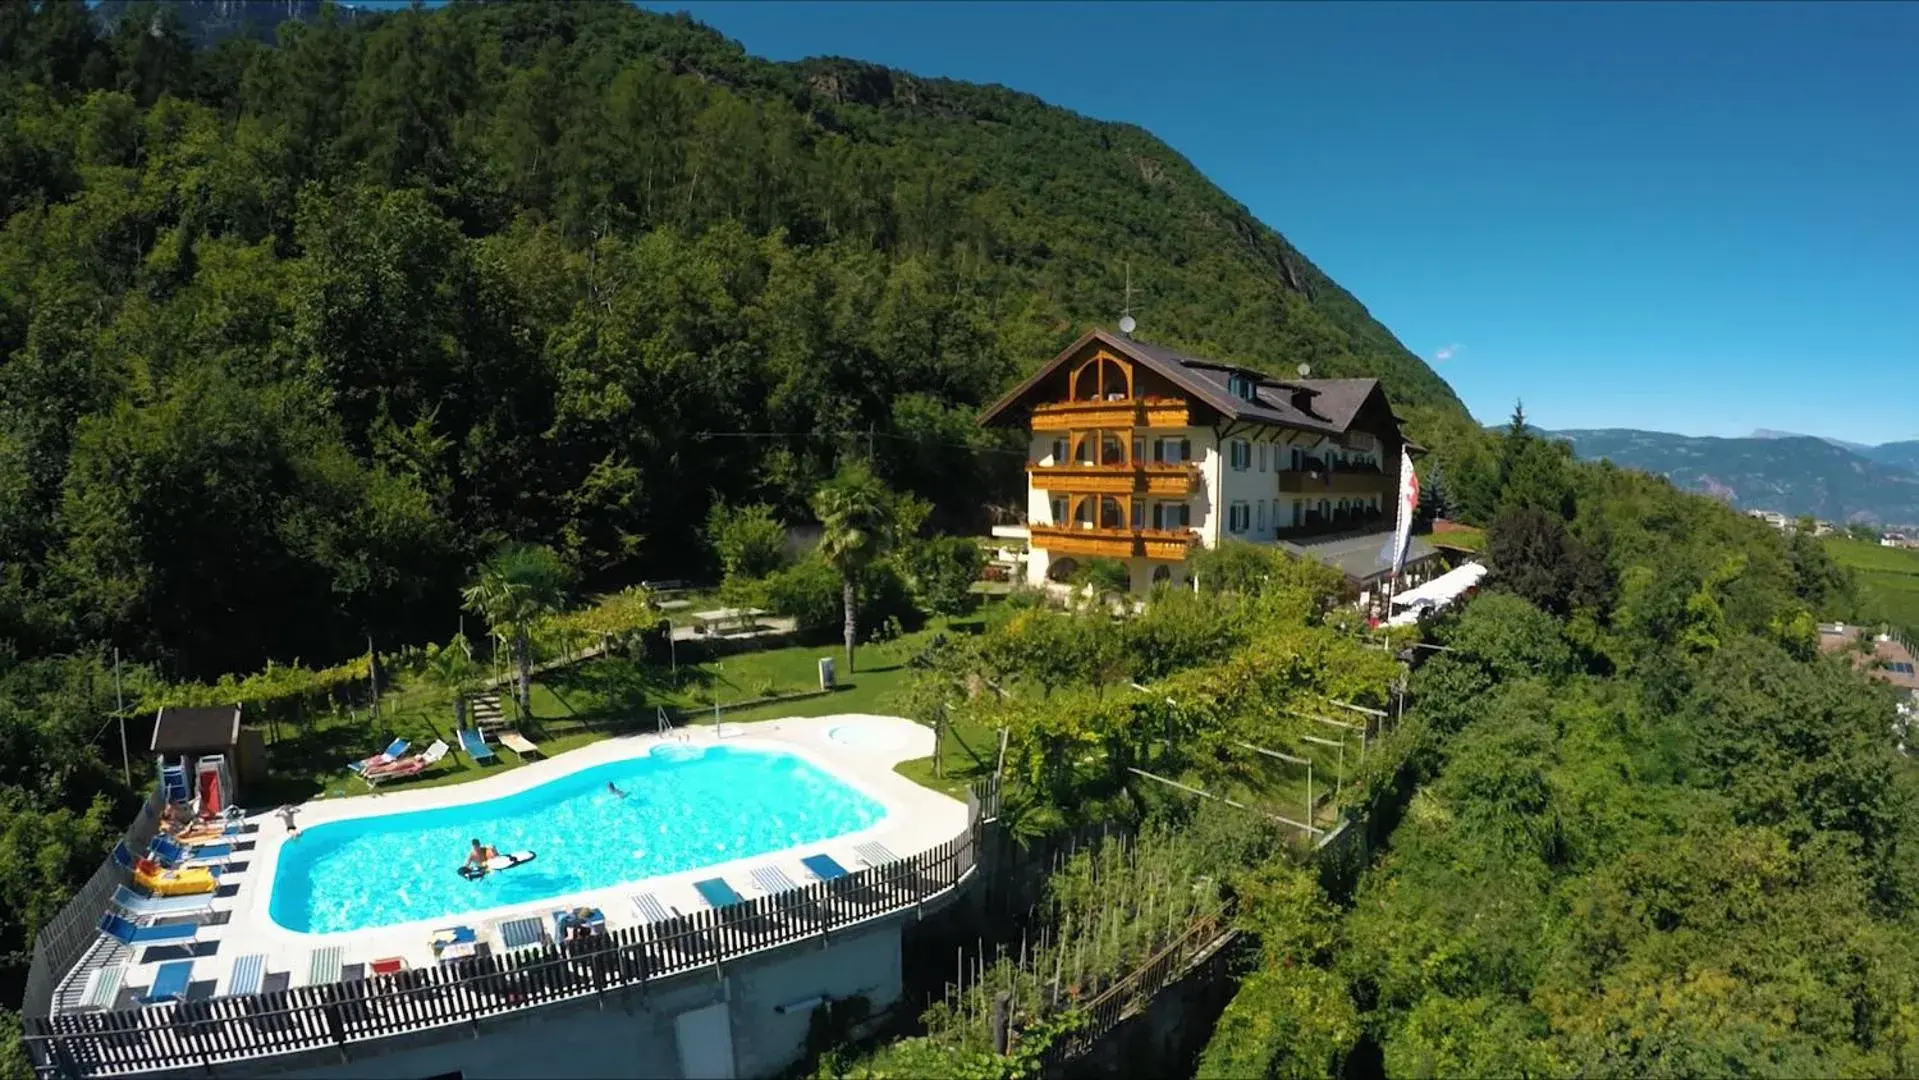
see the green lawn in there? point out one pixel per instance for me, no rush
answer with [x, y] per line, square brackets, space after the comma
[590, 701]
[1888, 580]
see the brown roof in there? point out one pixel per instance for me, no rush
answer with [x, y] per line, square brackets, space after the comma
[181, 729]
[1323, 405]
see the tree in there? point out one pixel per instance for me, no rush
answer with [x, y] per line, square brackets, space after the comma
[450, 667]
[749, 540]
[521, 585]
[858, 526]
[943, 570]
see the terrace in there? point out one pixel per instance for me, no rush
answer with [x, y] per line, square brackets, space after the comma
[235, 985]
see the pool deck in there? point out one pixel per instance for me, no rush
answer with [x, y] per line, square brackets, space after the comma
[917, 819]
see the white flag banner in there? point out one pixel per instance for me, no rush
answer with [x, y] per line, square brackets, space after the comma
[1408, 502]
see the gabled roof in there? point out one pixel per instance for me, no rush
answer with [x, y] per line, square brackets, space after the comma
[182, 729]
[1323, 405]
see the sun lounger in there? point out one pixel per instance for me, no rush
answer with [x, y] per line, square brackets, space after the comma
[525, 932]
[649, 909]
[385, 757]
[103, 987]
[124, 858]
[388, 965]
[324, 966]
[518, 743]
[772, 880]
[717, 893]
[875, 854]
[249, 972]
[454, 943]
[474, 745]
[823, 867]
[170, 982]
[173, 856]
[154, 907]
[123, 930]
[405, 767]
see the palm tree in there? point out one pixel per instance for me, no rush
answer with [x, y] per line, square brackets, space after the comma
[521, 585]
[451, 668]
[857, 527]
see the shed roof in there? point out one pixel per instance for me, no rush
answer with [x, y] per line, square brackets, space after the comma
[184, 728]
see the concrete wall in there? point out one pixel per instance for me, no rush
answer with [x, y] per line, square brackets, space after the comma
[634, 1037]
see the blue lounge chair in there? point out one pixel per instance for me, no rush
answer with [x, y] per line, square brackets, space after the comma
[154, 907]
[717, 893]
[126, 932]
[202, 850]
[824, 867]
[391, 754]
[170, 854]
[170, 982]
[475, 745]
[123, 857]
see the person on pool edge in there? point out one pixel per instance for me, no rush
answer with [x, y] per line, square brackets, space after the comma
[479, 855]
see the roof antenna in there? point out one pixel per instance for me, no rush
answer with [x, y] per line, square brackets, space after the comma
[1126, 321]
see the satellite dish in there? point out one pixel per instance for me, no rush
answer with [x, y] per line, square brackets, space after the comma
[1127, 324]
[1305, 370]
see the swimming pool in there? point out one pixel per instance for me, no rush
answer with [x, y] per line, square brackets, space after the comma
[683, 808]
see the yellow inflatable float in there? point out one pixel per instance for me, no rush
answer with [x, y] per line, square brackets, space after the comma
[186, 882]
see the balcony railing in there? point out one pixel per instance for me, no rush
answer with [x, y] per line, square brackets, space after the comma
[1146, 477]
[1117, 413]
[1316, 524]
[1114, 543]
[1347, 481]
[200, 1034]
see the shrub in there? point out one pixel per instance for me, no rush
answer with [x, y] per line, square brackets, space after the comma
[809, 592]
[942, 570]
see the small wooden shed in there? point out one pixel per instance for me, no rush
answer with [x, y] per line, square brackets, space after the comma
[192, 731]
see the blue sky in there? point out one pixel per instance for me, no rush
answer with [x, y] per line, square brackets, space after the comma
[1692, 218]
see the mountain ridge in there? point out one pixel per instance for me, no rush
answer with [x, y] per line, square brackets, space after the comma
[1790, 473]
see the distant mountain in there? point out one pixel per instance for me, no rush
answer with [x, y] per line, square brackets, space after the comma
[1899, 455]
[1793, 474]
[207, 22]
[1768, 433]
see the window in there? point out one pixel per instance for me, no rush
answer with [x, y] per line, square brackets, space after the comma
[1262, 515]
[1299, 513]
[1172, 451]
[1059, 451]
[1139, 449]
[1240, 454]
[1262, 457]
[1059, 511]
[1243, 387]
[1172, 516]
[1162, 575]
[1139, 515]
[1296, 459]
[1238, 517]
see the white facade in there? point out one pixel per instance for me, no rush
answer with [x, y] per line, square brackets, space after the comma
[1238, 495]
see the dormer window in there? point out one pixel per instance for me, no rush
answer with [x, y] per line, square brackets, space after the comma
[1243, 387]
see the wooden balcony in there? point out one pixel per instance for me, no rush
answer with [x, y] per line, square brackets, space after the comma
[1150, 478]
[1112, 415]
[1168, 544]
[1337, 482]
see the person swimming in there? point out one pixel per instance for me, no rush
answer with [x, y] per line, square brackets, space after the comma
[612, 789]
[477, 858]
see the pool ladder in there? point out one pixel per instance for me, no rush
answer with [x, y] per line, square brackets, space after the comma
[667, 730]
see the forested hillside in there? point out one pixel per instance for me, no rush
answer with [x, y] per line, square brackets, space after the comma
[288, 334]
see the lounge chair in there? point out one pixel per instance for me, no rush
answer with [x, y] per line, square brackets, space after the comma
[249, 973]
[202, 832]
[519, 744]
[405, 767]
[786, 894]
[155, 907]
[824, 867]
[129, 933]
[323, 968]
[590, 919]
[454, 943]
[175, 857]
[124, 858]
[474, 744]
[873, 854]
[717, 893]
[649, 909]
[170, 982]
[387, 965]
[388, 756]
[103, 987]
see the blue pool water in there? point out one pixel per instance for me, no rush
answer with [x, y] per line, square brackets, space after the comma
[684, 808]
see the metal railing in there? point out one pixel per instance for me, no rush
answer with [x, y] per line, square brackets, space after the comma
[66, 937]
[203, 1033]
